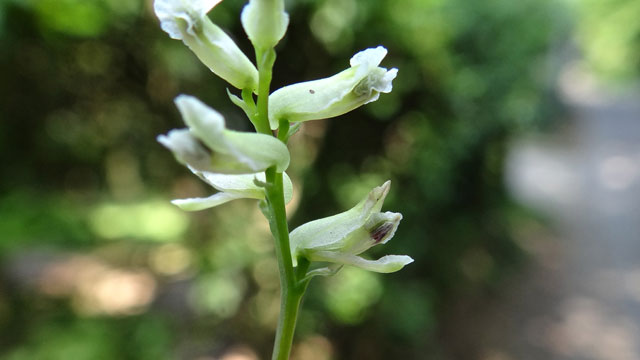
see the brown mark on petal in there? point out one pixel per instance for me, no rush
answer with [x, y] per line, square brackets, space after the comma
[380, 232]
[311, 91]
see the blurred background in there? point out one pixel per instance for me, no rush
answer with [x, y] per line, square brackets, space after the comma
[512, 139]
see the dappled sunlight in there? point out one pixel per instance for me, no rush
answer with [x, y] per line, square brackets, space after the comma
[350, 293]
[265, 307]
[543, 175]
[618, 172]
[97, 288]
[313, 348]
[239, 353]
[171, 259]
[330, 23]
[579, 86]
[589, 329]
[219, 294]
[156, 220]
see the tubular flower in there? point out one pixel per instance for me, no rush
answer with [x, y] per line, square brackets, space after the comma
[187, 20]
[207, 146]
[362, 83]
[265, 22]
[231, 187]
[341, 238]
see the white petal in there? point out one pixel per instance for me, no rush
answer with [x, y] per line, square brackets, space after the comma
[187, 20]
[342, 230]
[235, 182]
[386, 264]
[243, 184]
[172, 12]
[234, 152]
[186, 148]
[369, 58]
[195, 204]
[335, 95]
[206, 123]
[382, 226]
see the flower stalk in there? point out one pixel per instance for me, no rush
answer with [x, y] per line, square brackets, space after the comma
[290, 293]
[252, 165]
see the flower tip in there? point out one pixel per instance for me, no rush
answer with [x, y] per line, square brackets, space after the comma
[176, 139]
[370, 57]
[174, 15]
[202, 119]
[163, 140]
[397, 262]
[183, 99]
[387, 81]
[381, 191]
[389, 263]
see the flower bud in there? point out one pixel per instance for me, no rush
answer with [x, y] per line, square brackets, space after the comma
[362, 83]
[187, 20]
[229, 152]
[231, 187]
[341, 238]
[265, 22]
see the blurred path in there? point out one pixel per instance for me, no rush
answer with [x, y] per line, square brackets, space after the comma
[581, 297]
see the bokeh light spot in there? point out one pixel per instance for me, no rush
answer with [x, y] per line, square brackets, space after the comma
[155, 220]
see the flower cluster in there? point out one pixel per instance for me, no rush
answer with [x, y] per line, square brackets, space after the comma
[234, 162]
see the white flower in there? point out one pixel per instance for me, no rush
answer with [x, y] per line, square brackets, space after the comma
[265, 22]
[362, 83]
[341, 238]
[231, 187]
[187, 20]
[208, 146]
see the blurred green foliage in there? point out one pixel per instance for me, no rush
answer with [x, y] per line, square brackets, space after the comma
[609, 38]
[97, 265]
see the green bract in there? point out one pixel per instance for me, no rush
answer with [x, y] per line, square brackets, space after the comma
[231, 187]
[340, 238]
[362, 83]
[187, 20]
[265, 22]
[229, 152]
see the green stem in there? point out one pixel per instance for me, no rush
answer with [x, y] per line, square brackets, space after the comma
[265, 59]
[291, 291]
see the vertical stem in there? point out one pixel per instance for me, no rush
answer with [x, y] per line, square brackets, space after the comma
[290, 292]
[265, 59]
[289, 306]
